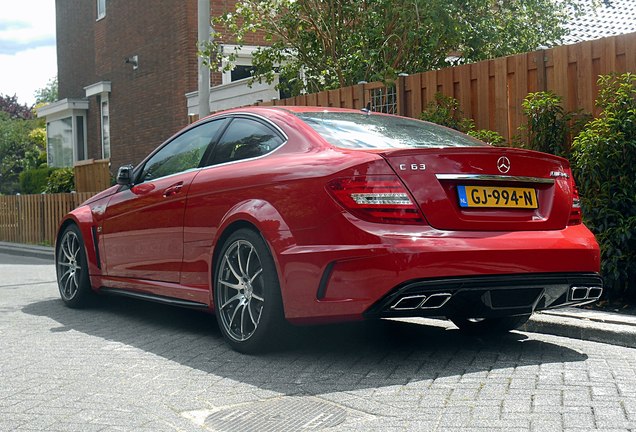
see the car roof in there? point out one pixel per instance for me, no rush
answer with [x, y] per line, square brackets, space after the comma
[302, 109]
[290, 109]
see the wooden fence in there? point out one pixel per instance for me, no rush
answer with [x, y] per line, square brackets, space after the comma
[34, 219]
[92, 175]
[491, 91]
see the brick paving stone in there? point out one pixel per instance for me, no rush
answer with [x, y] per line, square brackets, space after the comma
[132, 366]
[542, 425]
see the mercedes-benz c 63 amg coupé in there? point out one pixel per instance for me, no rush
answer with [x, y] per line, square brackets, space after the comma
[268, 215]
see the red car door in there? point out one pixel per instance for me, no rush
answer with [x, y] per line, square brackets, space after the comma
[142, 230]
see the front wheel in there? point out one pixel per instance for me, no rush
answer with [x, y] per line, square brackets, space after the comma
[485, 326]
[72, 269]
[247, 295]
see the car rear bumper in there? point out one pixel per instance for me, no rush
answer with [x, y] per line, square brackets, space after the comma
[324, 283]
[488, 296]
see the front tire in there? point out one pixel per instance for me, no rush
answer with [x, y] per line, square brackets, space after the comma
[489, 326]
[247, 294]
[71, 267]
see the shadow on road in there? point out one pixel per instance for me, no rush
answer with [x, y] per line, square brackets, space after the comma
[316, 360]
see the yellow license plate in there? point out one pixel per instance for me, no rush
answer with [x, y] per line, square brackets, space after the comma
[496, 196]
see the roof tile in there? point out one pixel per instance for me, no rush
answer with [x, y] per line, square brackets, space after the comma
[612, 17]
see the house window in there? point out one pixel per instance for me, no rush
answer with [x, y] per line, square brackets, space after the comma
[80, 146]
[105, 128]
[63, 147]
[65, 130]
[241, 72]
[242, 63]
[59, 137]
[101, 9]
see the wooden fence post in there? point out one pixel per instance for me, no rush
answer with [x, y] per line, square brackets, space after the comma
[400, 94]
[542, 78]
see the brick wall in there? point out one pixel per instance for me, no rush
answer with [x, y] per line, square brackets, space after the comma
[75, 21]
[75, 27]
[147, 105]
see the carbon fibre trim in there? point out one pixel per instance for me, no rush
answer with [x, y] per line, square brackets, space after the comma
[154, 298]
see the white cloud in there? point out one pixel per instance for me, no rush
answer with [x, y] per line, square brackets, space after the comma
[28, 57]
[27, 71]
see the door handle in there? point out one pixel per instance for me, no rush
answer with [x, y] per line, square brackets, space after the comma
[173, 190]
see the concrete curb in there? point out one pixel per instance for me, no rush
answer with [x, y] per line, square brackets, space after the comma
[604, 327]
[43, 252]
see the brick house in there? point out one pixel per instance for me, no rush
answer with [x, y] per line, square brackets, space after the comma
[128, 78]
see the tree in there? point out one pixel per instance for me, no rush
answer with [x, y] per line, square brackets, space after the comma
[14, 109]
[22, 142]
[48, 93]
[326, 44]
[22, 147]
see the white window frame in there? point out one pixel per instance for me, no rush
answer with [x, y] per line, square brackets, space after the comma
[244, 58]
[105, 126]
[101, 9]
[102, 89]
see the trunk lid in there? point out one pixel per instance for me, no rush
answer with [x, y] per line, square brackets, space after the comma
[486, 188]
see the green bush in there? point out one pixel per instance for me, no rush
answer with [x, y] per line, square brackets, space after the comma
[549, 128]
[34, 181]
[445, 111]
[61, 180]
[488, 136]
[604, 161]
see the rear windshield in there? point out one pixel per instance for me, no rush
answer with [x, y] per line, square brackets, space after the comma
[362, 131]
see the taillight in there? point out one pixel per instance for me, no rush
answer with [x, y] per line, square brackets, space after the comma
[575, 211]
[376, 199]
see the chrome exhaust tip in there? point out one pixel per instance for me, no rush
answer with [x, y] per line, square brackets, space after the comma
[579, 293]
[595, 293]
[436, 301]
[409, 303]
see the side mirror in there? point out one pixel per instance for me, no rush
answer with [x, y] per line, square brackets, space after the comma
[124, 175]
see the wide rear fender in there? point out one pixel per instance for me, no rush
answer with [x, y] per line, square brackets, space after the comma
[263, 217]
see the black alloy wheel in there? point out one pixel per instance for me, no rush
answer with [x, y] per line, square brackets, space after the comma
[72, 269]
[247, 294]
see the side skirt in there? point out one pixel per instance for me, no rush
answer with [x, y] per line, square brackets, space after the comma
[154, 298]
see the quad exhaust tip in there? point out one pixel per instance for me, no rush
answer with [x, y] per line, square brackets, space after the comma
[583, 293]
[433, 301]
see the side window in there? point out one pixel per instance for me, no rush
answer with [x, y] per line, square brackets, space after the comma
[181, 154]
[101, 9]
[244, 139]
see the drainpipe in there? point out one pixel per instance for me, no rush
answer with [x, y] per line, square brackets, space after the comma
[203, 18]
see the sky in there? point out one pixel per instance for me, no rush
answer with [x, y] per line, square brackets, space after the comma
[27, 47]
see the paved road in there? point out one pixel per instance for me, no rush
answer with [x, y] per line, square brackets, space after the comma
[132, 366]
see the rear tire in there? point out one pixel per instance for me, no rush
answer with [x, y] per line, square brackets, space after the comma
[71, 267]
[486, 326]
[247, 298]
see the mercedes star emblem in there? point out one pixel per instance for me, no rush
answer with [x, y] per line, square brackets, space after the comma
[503, 164]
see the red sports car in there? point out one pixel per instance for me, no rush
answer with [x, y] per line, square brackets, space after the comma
[309, 215]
